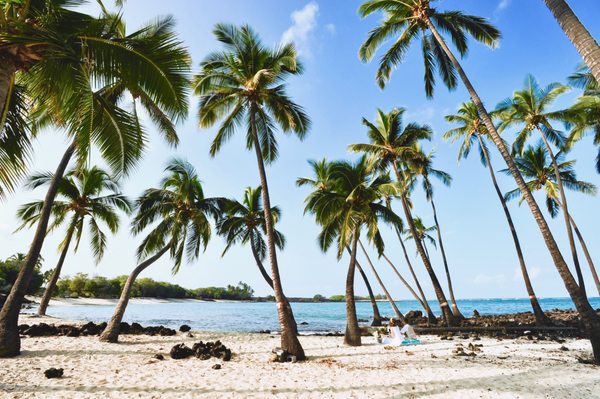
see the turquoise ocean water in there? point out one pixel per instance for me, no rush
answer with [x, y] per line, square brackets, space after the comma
[250, 316]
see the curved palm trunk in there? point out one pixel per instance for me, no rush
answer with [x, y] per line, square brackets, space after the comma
[566, 213]
[289, 337]
[399, 314]
[588, 316]
[55, 275]
[455, 309]
[540, 318]
[10, 342]
[259, 263]
[430, 316]
[581, 38]
[376, 315]
[352, 335]
[7, 73]
[414, 294]
[586, 253]
[447, 315]
[111, 332]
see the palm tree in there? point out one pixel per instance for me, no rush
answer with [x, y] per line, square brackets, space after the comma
[581, 38]
[244, 84]
[423, 234]
[538, 169]
[80, 197]
[421, 166]
[392, 143]
[584, 115]
[179, 213]
[321, 183]
[245, 223]
[350, 201]
[528, 110]
[149, 65]
[413, 20]
[471, 130]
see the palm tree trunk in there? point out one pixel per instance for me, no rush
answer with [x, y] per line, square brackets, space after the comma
[588, 316]
[414, 294]
[111, 332]
[447, 315]
[430, 316]
[581, 38]
[10, 342]
[376, 315]
[352, 335]
[566, 213]
[259, 263]
[7, 73]
[586, 253]
[455, 310]
[55, 275]
[289, 336]
[399, 314]
[540, 318]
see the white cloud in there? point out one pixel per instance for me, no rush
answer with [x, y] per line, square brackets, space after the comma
[424, 114]
[330, 28]
[304, 24]
[485, 279]
[534, 272]
[502, 5]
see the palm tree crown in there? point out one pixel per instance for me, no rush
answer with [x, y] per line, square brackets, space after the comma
[245, 223]
[245, 84]
[80, 197]
[182, 213]
[406, 21]
[536, 167]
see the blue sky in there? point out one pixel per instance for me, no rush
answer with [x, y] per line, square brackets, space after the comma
[337, 90]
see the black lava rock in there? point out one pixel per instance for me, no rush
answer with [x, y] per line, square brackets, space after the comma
[185, 328]
[180, 351]
[53, 373]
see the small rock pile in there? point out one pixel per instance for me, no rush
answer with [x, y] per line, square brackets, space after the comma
[202, 350]
[54, 373]
[91, 328]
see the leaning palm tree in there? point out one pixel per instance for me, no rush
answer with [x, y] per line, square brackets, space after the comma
[392, 143]
[423, 234]
[538, 169]
[471, 131]
[81, 197]
[422, 166]
[150, 66]
[245, 84]
[581, 38]
[179, 214]
[351, 202]
[415, 20]
[244, 223]
[528, 110]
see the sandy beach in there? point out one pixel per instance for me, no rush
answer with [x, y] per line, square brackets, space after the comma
[502, 369]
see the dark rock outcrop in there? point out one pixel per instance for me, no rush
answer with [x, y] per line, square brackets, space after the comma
[180, 351]
[54, 373]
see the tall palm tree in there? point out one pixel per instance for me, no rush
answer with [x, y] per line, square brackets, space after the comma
[179, 216]
[423, 234]
[150, 66]
[414, 20]
[581, 38]
[422, 166]
[392, 143]
[321, 183]
[244, 223]
[528, 110]
[81, 197]
[350, 202]
[245, 84]
[472, 131]
[538, 169]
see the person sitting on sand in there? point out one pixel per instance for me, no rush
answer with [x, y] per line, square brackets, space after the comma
[397, 337]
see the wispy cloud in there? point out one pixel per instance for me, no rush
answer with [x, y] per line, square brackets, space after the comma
[502, 5]
[304, 22]
[330, 28]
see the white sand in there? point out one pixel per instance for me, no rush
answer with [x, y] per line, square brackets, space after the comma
[503, 369]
